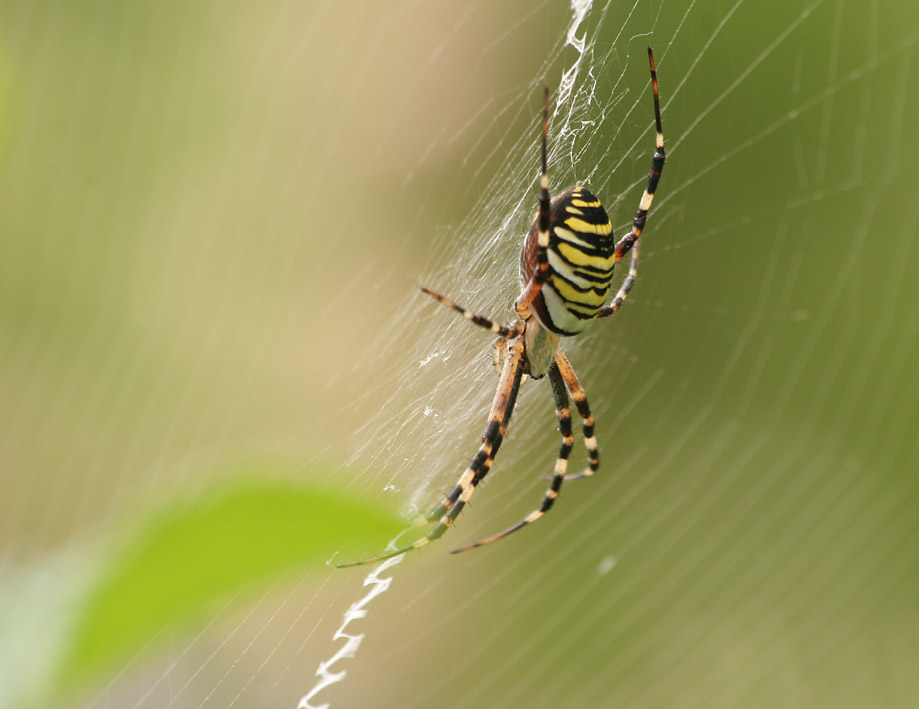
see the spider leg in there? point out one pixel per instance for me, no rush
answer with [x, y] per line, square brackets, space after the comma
[625, 289]
[477, 469]
[563, 411]
[501, 409]
[580, 400]
[627, 242]
[506, 332]
[511, 376]
[541, 274]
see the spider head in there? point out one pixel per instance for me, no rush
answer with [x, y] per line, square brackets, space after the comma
[540, 345]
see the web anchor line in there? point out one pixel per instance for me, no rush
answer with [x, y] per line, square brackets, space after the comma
[357, 611]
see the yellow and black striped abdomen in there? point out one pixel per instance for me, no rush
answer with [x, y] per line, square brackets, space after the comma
[581, 257]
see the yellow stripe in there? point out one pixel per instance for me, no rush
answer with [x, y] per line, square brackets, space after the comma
[574, 255]
[582, 203]
[578, 276]
[588, 310]
[588, 228]
[569, 236]
[572, 296]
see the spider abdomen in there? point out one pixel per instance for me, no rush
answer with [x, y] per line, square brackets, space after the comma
[581, 258]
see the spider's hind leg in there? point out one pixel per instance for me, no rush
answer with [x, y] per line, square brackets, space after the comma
[541, 273]
[629, 242]
[624, 289]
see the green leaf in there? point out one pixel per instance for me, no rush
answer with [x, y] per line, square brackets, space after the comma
[171, 568]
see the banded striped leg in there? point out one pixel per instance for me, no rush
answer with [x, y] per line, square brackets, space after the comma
[580, 400]
[657, 166]
[501, 409]
[506, 332]
[482, 462]
[541, 274]
[625, 289]
[563, 411]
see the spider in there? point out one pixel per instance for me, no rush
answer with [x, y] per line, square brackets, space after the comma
[566, 269]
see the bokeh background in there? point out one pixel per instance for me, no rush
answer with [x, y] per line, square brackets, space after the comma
[213, 221]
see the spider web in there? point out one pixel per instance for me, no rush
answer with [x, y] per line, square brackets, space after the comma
[213, 240]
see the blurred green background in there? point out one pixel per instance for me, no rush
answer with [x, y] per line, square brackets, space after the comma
[213, 222]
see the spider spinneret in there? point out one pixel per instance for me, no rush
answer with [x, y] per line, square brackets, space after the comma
[566, 270]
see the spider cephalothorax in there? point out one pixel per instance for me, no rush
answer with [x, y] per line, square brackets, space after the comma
[566, 270]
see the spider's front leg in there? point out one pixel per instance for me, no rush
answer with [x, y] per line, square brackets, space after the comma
[561, 376]
[501, 409]
[563, 411]
[580, 400]
[482, 461]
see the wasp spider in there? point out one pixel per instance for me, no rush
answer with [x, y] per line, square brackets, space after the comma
[566, 269]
